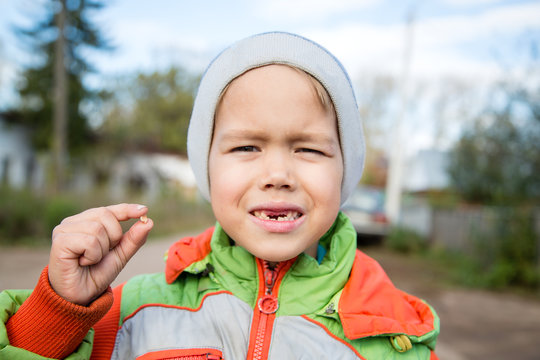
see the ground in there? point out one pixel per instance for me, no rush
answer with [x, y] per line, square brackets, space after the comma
[474, 324]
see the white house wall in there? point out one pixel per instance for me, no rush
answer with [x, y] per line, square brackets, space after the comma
[18, 165]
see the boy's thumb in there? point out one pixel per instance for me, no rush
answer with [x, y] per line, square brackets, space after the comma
[133, 239]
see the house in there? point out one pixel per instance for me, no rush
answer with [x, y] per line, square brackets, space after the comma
[148, 173]
[18, 165]
[426, 171]
[22, 167]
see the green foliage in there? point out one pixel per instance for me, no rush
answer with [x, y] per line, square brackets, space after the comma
[36, 84]
[174, 213]
[404, 240]
[443, 199]
[24, 215]
[505, 256]
[29, 218]
[57, 209]
[496, 161]
[151, 112]
[19, 210]
[509, 256]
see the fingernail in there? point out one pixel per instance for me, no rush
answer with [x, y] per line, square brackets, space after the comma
[139, 207]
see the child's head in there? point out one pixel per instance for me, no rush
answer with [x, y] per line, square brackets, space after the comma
[275, 163]
[275, 150]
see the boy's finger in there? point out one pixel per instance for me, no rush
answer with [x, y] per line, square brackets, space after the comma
[119, 212]
[106, 228]
[124, 212]
[132, 240]
[113, 228]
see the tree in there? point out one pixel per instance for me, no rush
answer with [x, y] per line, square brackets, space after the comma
[375, 93]
[151, 111]
[53, 88]
[497, 160]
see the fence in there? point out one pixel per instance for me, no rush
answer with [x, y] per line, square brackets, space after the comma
[476, 229]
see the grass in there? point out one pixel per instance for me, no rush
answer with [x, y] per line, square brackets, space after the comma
[27, 219]
[502, 272]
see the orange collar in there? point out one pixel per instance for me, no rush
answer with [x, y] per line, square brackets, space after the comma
[370, 304]
[185, 252]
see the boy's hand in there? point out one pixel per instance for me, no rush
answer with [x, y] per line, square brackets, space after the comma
[89, 250]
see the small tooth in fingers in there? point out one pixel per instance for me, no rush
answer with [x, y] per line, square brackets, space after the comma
[144, 219]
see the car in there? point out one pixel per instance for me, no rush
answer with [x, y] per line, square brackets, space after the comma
[365, 208]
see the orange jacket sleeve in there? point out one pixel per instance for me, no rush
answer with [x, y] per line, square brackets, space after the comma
[48, 325]
[107, 328]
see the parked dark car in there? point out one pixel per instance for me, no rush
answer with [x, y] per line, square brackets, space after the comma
[365, 208]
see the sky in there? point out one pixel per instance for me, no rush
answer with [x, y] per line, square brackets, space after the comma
[474, 39]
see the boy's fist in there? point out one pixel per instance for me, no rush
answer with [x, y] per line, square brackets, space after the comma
[89, 250]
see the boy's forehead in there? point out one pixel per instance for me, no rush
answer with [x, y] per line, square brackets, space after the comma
[256, 79]
[259, 97]
[271, 82]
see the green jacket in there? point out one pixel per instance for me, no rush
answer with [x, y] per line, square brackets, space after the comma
[215, 300]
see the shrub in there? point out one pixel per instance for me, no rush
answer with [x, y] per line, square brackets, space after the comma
[501, 255]
[509, 256]
[29, 218]
[20, 212]
[405, 240]
[57, 209]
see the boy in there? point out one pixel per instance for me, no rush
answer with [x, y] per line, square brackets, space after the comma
[276, 145]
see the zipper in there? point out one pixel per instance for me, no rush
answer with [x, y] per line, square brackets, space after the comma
[195, 357]
[183, 354]
[266, 307]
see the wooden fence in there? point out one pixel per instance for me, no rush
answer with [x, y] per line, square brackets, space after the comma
[471, 229]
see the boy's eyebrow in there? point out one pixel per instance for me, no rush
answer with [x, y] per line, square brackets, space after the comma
[317, 137]
[242, 134]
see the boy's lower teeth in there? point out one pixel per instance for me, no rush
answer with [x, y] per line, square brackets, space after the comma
[277, 218]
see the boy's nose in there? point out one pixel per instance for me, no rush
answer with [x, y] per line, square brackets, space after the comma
[278, 174]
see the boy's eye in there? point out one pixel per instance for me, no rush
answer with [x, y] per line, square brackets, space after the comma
[248, 148]
[312, 151]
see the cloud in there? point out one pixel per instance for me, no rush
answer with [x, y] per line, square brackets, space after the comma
[310, 9]
[149, 43]
[455, 29]
[466, 3]
[442, 45]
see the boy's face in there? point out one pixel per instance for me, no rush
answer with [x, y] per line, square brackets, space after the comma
[275, 164]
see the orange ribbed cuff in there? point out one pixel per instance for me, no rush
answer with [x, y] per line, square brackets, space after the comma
[48, 325]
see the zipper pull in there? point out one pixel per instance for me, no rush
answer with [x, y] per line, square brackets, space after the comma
[213, 357]
[270, 276]
[268, 304]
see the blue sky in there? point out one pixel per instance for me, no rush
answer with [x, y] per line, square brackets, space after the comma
[473, 39]
[450, 36]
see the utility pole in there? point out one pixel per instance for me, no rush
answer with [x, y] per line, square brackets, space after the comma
[395, 172]
[60, 108]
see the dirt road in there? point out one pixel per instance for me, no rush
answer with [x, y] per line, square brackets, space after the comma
[475, 324]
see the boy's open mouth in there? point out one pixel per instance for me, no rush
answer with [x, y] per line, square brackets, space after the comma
[287, 215]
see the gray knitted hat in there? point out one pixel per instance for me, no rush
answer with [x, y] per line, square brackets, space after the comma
[277, 48]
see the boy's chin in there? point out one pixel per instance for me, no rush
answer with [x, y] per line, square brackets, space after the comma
[277, 259]
[275, 256]
[278, 248]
